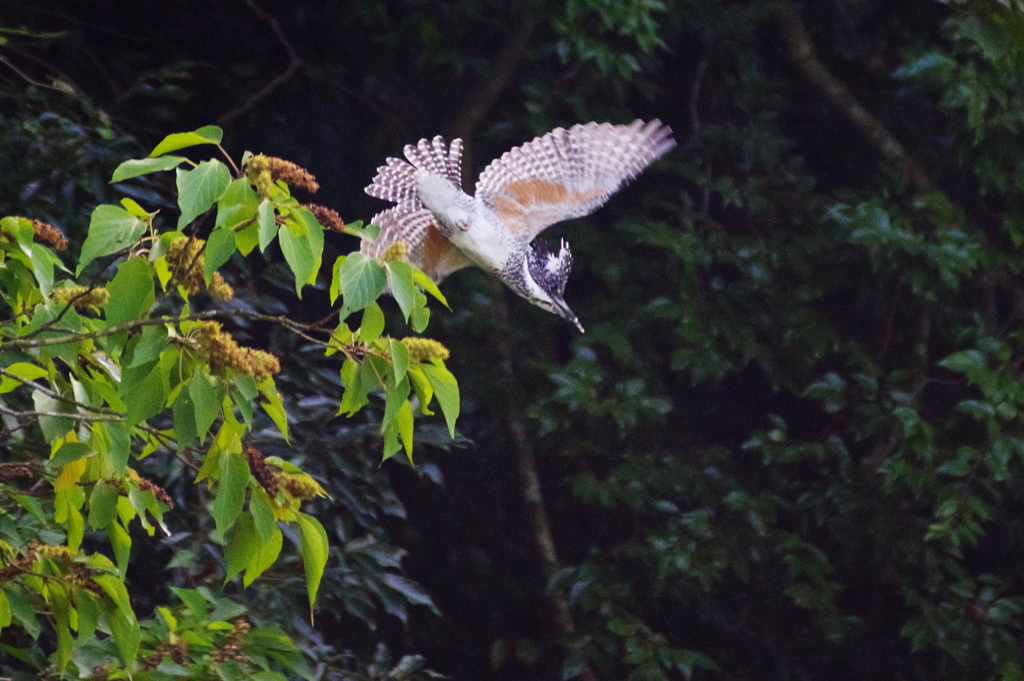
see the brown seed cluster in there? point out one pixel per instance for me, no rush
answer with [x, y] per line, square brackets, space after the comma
[48, 235]
[263, 473]
[177, 651]
[327, 217]
[424, 349]
[226, 356]
[147, 485]
[185, 258]
[72, 574]
[263, 170]
[16, 469]
[232, 648]
[82, 296]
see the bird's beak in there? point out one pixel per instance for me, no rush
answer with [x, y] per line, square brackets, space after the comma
[565, 313]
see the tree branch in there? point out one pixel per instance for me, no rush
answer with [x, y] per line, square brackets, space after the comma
[293, 65]
[801, 51]
[295, 327]
[481, 98]
[114, 416]
[533, 497]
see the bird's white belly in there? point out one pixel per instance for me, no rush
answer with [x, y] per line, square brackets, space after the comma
[484, 244]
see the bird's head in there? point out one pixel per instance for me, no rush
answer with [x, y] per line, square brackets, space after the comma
[548, 273]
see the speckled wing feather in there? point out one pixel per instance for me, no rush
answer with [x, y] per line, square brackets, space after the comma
[410, 221]
[396, 181]
[568, 173]
[428, 249]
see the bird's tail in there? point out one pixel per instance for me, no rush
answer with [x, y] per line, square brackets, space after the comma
[397, 180]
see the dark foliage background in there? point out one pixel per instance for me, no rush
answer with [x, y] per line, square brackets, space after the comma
[789, 444]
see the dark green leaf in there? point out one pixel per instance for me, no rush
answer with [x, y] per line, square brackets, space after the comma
[209, 134]
[219, 249]
[199, 188]
[131, 292]
[144, 166]
[111, 229]
[234, 478]
[314, 548]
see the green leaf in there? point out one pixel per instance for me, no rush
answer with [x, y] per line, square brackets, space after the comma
[43, 260]
[356, 390]
[372, 324]
[234, 478]
[144, 166]
[125, 630]
[88, 613]
[428, 285]
[193, 599]
[262, 511]
[185, 428]
[23, 608]
[335, 288]
[207, 399]
[412, 591]
[237, 205]
[142, 389]
[121, 543]
[111, 228]
[148, 345]
[53, 427]
[68, 452]
[422, 386]
[60, 611]
[23, 370]
[420, 319]
[964, 361]
[446, 388]
[135, 209]
[219, 249]
[115, 589]
[131, 292]
[268, 225]
[361, 280]
[209, 134]
[298, 253]
[314, 548]
[75, 523]
[265, 557]
[274, 406]
[391, 443]
[405, 427]
[242, 546]
[199, 188]
[402, 288]
[102, 505]
[396, 392]
[5, 611]
[399, 358]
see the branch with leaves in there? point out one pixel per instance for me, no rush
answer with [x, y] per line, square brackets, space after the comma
[107, 381]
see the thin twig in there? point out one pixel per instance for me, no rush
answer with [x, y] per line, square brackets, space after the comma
[56, 395]
[801, 51]
[62, 414]
[532, 495]
[478, 102]
[21, 73]
[293, 65]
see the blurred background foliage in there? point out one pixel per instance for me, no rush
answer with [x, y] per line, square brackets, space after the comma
[790, 442]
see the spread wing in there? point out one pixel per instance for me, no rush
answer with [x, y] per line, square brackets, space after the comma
[568, 173]
[427, 248]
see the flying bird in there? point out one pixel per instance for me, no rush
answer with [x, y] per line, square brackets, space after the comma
[563, 174]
